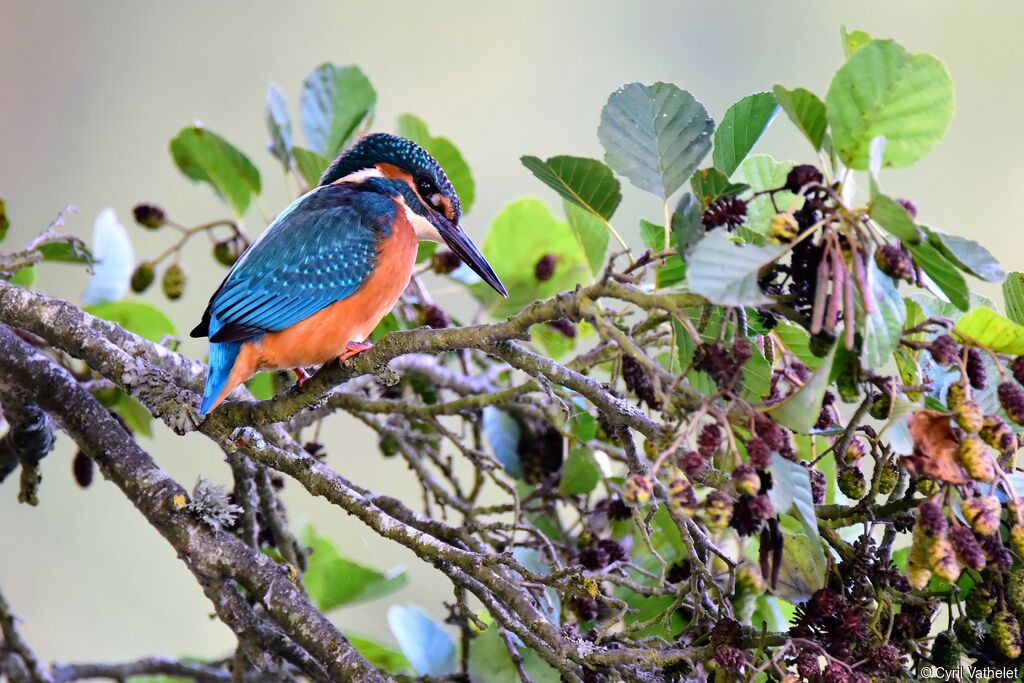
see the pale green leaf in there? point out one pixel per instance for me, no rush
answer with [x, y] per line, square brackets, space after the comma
[804, 109]
[945, 275]
[894, 218]
[883, 326]
[135, 316]
[726, 273]
[279, 125]
[969, 255]
[380, 656]
[502, 433]
[333, 580]
[761, 172]
[991, 330]
[591, 235]
[310, 164]
[687, 224]
[204, 156]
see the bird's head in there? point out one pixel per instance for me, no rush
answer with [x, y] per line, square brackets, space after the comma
[430, 199]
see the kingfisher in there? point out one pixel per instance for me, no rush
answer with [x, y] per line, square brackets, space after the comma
[315, 284]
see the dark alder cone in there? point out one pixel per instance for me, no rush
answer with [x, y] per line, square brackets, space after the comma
[173, 282]
[944, 349]
[817, 486]
[594, 557]
[545, 267]
[998, 555]
[149, 215]
[638, 382]
[715, 360]
[434, 317]
[1017, 368]
[908, 206]
[759, 454]
[586, 609]
[226, 252]
[142, 277]
[976, 368]
[316, 449]
[83, 468]
[618, 510]
[887, 658]
[774, 435]
[709, 439]
[836, 673]
[692, 464]
[749, 514]
[895, 262]
[966, 547]
[616, 552]
[742, 349]
[563, 326]
[801, 175]
[444, 261]
[540, 450]
[730, 659]
[808, 666]
[1011, 398]
[679, 572]
[726, 633]
[729, 211]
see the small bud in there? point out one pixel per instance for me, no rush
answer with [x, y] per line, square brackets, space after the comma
[1015, 591]
[852, 484]
[1011, 398]
[709, 439]
[226, 252]
[855, 450]
[895, 262]
[681, 498]
[946, 650]
[149, 216]
[1017, 539]
[717, 511]
[944, 350]
[881, 407]
[975, 367]
[973, 454]
[967, 549]
[955, 396]
[434, 317]
[746, 480]
[173, 282]
[927, 487]
[801, 175]
[909, 206]
[142, 277]
[563, 326]
[783, 227]
[999, 435]
[982, 513]
[730, 659]
[638, 489]
[888, 478]
[1017, 369]
[729, 211]
[83, 467]
[1006, 634]
[969, 416]
[942, 559]
[758, 453]
[388, 445]
[445, 261]
[692, 464]
[981, 601]
[545, 267]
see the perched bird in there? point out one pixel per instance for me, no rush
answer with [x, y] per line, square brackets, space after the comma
[330, 267]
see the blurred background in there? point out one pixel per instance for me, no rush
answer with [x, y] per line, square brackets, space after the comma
[93, 92]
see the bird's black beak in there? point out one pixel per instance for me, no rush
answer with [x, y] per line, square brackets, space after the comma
[459, 242]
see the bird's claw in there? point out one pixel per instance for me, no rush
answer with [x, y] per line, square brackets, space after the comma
[354, 349]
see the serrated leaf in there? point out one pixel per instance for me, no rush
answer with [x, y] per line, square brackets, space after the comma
[796, 339]
[894, 218]
[726, 273]
[944, 274]
[335, 100]
[424, 643]
[588, 183]
[113, 260]
[579, 473]
[762, 172]
[969, 255]
[135, 316]
[591, 235]
[279, 125]
[884, 90]
[883, 327]
[1013, 294]
[687, 224]
[502, 433]
[655, 135]
[991, 330]
[446, 154]
[204, 156]
[310, 164]
[804, 109]
[800, 410]
[333, 580]
[742, 126]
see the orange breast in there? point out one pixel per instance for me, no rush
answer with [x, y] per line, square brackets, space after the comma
[322, 336]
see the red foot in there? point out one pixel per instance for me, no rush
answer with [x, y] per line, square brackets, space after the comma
[354, 348]
[301, 376]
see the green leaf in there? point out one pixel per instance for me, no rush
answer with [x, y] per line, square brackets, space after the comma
[726, 273]
[1013, 294]
[757, 376]
[490, 662]
[425, 644]
[204, 156]
[800, 410]
[335, 100]
[991, 330]
[588, 183]
[655, 135]
[5, 223]
[279, 125]
[883, 327]
[708, 184]
[944, 274]
[853, 40]
[333, 581]
[135, 316]
[894, 218]
[687, 224]
[138, 418]
[502, 433]
[425, 251]
[579, 473]
[65, 251]
[582, 423]
[523, 233]
[446, 154]
[388, 324]
[969, 255]
[591, 235]
[24, 277]
[742, 126]
[261, 386]
[380, 656]
[804, 109]
[310, 164]
[761, 172]
[884, 90]
[791, 492]
[796, 339]
[803, 567]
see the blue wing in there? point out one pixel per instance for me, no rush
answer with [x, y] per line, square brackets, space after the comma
[318, 251]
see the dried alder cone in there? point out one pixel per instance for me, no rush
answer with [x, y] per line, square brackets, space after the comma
[789, 403]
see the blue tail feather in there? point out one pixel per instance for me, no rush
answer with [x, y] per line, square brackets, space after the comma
[222, 359]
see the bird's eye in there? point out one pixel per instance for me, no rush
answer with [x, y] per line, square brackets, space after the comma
[426, 186]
